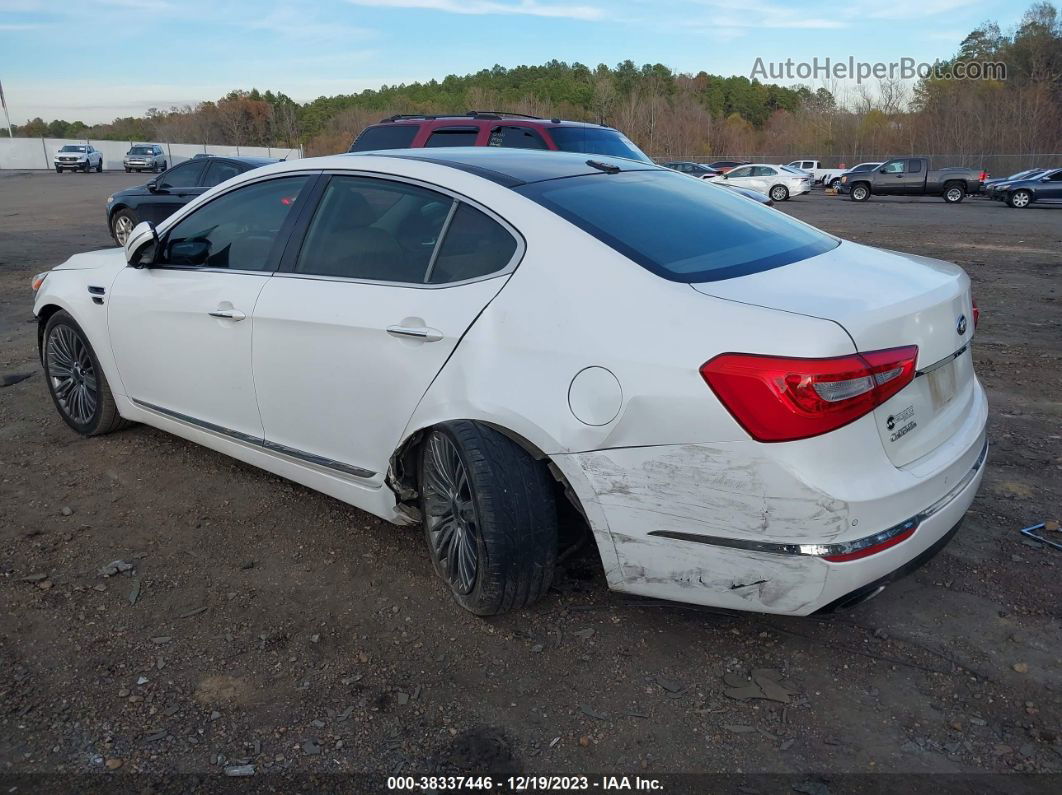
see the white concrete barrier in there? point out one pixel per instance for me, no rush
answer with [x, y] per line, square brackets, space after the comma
[29, 154]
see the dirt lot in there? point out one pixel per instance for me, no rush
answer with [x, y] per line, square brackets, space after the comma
[276, 627]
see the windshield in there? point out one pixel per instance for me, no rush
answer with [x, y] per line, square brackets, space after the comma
[71, 148]
[597, 141]
[679, 228]
[141, 150]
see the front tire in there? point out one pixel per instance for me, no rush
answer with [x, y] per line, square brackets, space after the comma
[1020, 199]
[860, 192]
[75, 379]
[122, 224]
[490, 519]
[99, 168]
[835, 182]
[779, 193]
[58, 170]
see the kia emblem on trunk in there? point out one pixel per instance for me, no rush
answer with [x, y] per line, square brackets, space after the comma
[961, 325]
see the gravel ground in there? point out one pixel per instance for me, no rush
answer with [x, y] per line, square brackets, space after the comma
[263, 624]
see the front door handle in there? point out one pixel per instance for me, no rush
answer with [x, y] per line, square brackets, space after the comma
[416, 332]
[228, 314]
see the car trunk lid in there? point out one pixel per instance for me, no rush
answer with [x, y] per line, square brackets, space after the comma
[885, 299]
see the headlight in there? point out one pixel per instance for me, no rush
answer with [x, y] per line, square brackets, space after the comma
[38, 281]
[844, 179]
[110, 200]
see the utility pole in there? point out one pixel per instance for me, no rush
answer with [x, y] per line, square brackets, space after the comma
[7, 116]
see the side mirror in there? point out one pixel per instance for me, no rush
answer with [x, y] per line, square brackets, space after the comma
[153, 185]
[882, 171]
[142, 245]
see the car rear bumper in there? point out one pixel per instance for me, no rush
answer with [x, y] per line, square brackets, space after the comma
[718, 525]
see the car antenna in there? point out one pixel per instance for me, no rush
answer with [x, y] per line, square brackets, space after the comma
[608, 168]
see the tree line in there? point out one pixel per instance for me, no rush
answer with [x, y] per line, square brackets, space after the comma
[670, 114]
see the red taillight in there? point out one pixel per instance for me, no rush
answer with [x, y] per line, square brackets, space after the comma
[976, 313]
[873, 549]
[780, 399]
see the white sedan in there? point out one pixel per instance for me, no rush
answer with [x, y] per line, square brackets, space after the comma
[778, 182]
[747, 412]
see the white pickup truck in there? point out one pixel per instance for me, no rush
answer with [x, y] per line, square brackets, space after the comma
[814, 167]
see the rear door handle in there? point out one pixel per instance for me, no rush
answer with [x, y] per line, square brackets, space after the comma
[416, 332]
[228, 314]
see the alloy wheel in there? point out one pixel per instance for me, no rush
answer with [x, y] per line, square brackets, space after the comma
[123, 225]
[72, 375]
[954, 194]
[451, 517]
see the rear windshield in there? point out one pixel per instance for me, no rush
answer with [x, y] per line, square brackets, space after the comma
[385, 136]
[682, 229]
[596, 141]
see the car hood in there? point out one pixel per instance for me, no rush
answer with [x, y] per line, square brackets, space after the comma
[138, 190]
[90, 260]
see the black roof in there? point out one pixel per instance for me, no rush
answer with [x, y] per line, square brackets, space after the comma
[251, 161]
[512, 167]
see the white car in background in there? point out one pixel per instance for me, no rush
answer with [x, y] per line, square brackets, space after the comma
[78, 157]
[778, 182]
[747, 412]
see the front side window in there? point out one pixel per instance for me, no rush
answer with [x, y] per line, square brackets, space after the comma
[453, 136]
[237, 230]
[596, 141]
[516, 137]
[893, 167]
[675, 228]
[186, 175]
[475, 245]
[374, 229]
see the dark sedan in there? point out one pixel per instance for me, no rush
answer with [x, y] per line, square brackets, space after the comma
[698, 170]
[1044, 187]
[169, 191]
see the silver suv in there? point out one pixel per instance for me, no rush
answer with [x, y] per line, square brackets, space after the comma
[145, 157]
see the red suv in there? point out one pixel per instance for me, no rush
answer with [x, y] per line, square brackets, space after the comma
[495, 128]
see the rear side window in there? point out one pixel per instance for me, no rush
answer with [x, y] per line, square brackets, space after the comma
[914, 166]
[474, 246]
[596, 141]
[385, 136]
[678, 228]
[374, 229]
[453, 136]
[218, 171]
[516, 137]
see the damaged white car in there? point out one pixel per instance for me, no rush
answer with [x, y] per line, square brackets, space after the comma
[748, 412]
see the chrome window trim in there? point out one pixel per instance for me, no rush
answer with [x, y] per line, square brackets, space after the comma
[261, 443]
[843, 548]
[510, 266]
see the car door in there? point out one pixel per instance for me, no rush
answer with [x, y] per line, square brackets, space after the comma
[181, 328]
[913, 182]
[1050, 187]
[741, 176]
[365, 311]
[171, 190]
[890, 177]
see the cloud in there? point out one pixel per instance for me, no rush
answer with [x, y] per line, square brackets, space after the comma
[904, 9]
[531, 8]
[300, 23]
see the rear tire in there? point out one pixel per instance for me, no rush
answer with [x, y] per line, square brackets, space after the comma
[75, 379]
[860, 192]
[779, 193]
[490, 518]
[1020, 199]
[954, 193]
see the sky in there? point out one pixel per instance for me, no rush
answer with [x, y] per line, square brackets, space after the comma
[94, 60]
